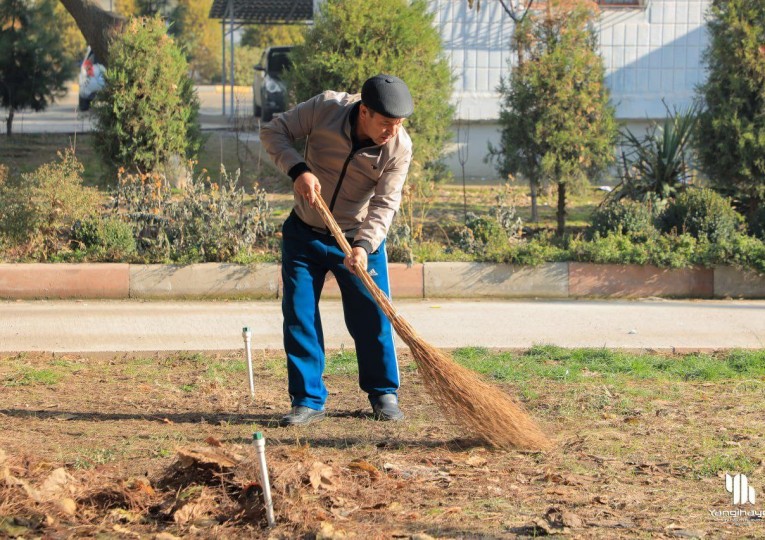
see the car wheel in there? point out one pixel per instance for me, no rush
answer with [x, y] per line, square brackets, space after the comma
[84, 104]
[267, 115]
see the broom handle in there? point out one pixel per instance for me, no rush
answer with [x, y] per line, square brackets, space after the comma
[382, 300]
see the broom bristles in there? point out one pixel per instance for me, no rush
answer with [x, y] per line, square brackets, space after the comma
[481, 408]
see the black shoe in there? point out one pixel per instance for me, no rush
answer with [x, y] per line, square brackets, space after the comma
[300, 416]
[385, 408]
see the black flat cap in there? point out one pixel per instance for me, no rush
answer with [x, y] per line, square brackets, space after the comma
[387, 95]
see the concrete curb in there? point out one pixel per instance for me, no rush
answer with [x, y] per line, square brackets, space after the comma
[479, 280]
[207, 280]
[39, 280]
[635, 281]
[429, 280]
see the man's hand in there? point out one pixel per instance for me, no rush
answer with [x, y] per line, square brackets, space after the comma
[307, 186]
[357, 260]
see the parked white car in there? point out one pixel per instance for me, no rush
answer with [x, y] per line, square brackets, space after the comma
[91, 79]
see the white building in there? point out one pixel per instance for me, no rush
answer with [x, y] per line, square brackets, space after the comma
[651, 49]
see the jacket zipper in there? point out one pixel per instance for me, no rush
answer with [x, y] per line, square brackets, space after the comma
[340, 180]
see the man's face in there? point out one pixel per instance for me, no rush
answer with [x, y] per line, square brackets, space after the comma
[378, 127]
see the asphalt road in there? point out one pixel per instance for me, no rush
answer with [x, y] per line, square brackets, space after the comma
[123, 326]
[63, 117]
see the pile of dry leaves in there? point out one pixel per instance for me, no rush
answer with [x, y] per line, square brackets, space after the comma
[210, 488]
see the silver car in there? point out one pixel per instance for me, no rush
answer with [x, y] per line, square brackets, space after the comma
[269, 93]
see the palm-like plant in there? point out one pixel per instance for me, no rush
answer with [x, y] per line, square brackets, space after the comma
[658, 165]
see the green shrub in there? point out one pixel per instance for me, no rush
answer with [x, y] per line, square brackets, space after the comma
[672, 251]
[702, 213]
[39, 208]
[740, 250]
[209, 222]
[535, 252]
[399, 242]
[666, 251]
[505, 214]
[143, 201]
[757, 224]
[212, 220]
[15, 215]
[482, 236]
[147, 112]
[625, 216]
[616, 248]
[104, 240]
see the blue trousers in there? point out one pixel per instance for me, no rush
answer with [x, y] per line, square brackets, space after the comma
[307, 256]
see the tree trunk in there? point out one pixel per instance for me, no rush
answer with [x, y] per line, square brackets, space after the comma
[96, 25]
[9, 122]
[561, 208]
[534, 195]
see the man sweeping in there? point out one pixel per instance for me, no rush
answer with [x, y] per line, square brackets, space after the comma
[357, 156]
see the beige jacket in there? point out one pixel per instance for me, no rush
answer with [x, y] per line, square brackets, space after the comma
[363, 189]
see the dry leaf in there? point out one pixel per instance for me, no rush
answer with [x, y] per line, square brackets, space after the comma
[557, 521]
[122, 530]
[165, 536]
[476, 461]
[361, 465]
[685, 533]
[544, 526]
[189, 513]
[124, 516]
[13, 529]
[11, 480]
[67, 506]
[553, 477]
[320, 476]
[340, 514]
[55, 483]
[571, 519]
[209, 456]
[212, 441]
[142, 485]
[328, 532]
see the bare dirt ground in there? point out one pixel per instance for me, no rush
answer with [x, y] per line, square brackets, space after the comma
[136, 447]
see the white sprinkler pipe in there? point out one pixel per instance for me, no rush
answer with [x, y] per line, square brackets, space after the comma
[247, 335]
[260, 444]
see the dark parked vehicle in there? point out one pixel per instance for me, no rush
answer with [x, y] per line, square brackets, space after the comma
[269, 93]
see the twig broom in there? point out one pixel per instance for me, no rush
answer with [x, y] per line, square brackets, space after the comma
[481, 408]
